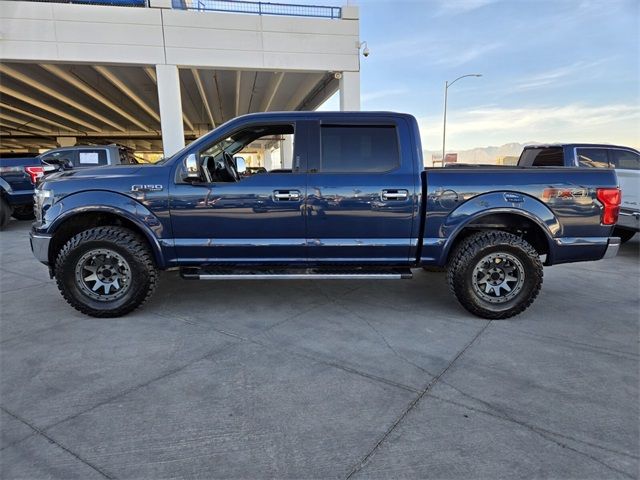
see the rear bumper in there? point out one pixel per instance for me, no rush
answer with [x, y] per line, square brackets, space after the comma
[612, 247]
[629, 219]
[583, 249]
[40, 246]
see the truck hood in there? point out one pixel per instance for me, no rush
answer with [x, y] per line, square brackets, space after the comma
[93, 173]
[118, 178]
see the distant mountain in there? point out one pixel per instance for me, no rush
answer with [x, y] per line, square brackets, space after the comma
[490, 154]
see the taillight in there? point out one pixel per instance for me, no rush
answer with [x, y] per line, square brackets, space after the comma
[34, 173]
[610, 199]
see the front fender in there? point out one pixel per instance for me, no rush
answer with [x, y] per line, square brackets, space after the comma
[108, 202]
[515, 203]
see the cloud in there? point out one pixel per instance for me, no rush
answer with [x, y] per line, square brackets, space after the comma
[378, 94]
[436, 51]
[617, 123]
[457, 7]
[556, 75]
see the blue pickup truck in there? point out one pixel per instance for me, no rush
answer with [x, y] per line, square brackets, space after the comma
[353, 202]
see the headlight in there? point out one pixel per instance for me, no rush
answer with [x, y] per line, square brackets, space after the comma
[41, 199]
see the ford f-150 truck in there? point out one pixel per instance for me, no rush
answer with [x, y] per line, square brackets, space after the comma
[625, 160]
[355, 202]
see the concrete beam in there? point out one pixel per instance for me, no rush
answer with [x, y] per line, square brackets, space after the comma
[47, 108]
[92, 92]
[238, 80]
[203, 95]
[301, 93]
[119, 84]
[272, 90]
[57, 95]
[21, 121]
[6, 106]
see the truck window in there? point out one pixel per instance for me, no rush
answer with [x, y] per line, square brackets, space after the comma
[353, 149]
[68, 156]
[592, 157]
[549, 157]
[92, 157]
[265, 149]
[625, 159]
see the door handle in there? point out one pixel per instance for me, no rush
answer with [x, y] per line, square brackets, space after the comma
[286, 195]
[395, 195]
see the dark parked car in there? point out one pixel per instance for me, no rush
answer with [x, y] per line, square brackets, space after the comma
[357, 204]
[18, 176]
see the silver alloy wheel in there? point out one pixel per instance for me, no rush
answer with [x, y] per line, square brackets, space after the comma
[498, 277]
[103, 275]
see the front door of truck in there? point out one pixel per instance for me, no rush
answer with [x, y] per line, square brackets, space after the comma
[361, 201]
[256, 219]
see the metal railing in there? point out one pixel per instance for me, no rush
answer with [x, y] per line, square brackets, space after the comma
[117, 3]
[259, 8]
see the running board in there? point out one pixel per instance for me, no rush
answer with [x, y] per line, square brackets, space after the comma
[195, 273]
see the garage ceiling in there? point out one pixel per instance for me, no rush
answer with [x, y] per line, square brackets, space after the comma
[119, 104]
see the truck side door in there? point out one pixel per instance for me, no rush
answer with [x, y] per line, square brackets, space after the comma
[362, 192]
[258, 219]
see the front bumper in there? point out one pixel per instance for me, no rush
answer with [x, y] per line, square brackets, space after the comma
[612, 247]
[40, 246]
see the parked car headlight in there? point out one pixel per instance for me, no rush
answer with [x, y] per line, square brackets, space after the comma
[41, 199]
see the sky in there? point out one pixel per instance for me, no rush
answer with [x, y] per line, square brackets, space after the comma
[552, 70]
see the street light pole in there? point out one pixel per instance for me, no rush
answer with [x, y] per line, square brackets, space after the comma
[444, 121]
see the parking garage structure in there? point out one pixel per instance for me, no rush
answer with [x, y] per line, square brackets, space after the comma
[152, 76]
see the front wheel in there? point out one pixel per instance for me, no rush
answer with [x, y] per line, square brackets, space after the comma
[24, 212]
[495, 275]
[105, 271]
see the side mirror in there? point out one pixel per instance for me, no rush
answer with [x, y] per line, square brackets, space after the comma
[192, 167]
[241, 164]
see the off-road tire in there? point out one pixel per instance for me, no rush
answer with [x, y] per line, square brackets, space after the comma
[23, 213]
[471, 251]
[5, 213]
[124, 242]
[624, 233]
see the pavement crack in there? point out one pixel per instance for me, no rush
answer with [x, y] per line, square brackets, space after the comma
[55, 442]
[414, 403]
[384, 339]
[546, 434]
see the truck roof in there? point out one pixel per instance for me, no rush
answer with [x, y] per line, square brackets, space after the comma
[577, 145]
[316, 115]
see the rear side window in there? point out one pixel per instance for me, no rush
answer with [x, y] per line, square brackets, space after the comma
[549, 157]
[592, 157]
[625, 159]
[352, 149]
[92, 158]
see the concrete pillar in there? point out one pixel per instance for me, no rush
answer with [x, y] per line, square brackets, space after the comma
[286, 151]
[170, 108]
[350, 91]
[66, 141]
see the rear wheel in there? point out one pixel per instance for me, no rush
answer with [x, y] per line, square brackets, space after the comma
[5, 213]
[495, 274]
[105, 271]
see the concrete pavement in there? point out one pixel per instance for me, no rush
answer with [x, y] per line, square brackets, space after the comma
[339, 379]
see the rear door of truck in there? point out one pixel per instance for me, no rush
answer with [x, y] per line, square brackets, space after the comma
[362, 199]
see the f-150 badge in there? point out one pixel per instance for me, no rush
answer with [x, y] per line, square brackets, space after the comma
[146, 188]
